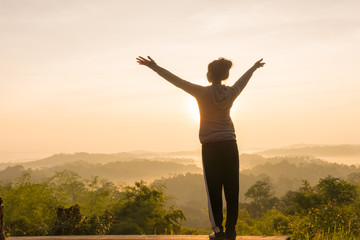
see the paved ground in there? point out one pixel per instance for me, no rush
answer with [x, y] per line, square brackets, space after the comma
[140, 237]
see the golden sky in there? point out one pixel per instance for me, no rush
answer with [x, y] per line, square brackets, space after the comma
[69, 81]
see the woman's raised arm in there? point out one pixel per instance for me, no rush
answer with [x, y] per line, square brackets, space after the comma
[240, 84]
[188, 87]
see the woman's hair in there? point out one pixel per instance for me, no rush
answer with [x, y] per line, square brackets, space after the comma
[218, 70]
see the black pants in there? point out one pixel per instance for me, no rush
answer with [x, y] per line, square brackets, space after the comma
[221, 169]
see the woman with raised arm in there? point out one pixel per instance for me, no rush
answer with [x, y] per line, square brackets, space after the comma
[220, 155]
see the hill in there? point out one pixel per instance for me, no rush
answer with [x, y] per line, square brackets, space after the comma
[315, 150]
[94, 158]
[345, 153]
[121, 171]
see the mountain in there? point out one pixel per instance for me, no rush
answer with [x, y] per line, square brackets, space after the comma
[121, 171]
[315, 150]
[94, 158]
[345, 153]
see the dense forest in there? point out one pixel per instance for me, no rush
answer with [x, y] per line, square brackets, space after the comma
[300, 196]
[67, 204]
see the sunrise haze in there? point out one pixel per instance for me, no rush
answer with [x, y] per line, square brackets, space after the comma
[69, 81]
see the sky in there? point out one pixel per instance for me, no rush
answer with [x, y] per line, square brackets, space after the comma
[69, 81]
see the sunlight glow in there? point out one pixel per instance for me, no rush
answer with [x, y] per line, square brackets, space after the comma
[193, 109]
[69, 80]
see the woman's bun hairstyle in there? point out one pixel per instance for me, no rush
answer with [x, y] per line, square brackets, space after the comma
[219, 69]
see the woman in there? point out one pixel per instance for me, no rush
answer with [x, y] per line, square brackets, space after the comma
[217, 135]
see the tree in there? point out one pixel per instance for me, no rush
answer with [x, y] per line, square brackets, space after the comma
[68, 186]
[70, 221]
[300, 201]
[326, 209]
[259, 191]
[336, 190]
[29, 207]
[142, 211]
[262, 198]
[99, 196]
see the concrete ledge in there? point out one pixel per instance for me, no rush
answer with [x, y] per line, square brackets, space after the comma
[142, 237]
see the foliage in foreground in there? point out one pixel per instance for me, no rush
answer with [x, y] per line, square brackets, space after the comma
[66, 204]
[70, 221]
[142, 211]
[329, 210]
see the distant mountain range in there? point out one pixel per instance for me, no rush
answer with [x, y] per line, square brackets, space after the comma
[184, 157]
[119, 171]
[346, 154]
[315, 150]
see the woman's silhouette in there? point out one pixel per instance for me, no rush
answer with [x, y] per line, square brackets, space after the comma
[220, 155]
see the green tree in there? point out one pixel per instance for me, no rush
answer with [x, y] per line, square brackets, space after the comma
[262, 198]
[99, 196]
[70, 221]
[300, 201]
[30, 207]
[245, 224]
[68, 186]
[336, 190]
[273, 222]
[142, 211]
[325, 210]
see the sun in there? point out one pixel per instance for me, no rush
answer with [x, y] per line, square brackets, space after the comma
[193, 109]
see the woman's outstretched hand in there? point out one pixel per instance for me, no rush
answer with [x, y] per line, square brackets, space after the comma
[259, 64]
[146, 62]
